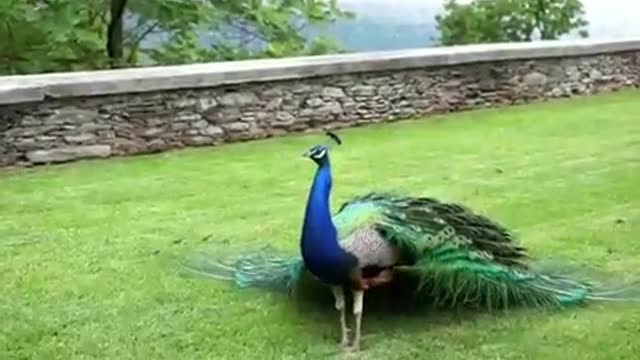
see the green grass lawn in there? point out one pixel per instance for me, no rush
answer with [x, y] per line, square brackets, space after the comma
[89, 250]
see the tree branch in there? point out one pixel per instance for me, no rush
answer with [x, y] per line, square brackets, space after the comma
[145, 33]
[135, 44]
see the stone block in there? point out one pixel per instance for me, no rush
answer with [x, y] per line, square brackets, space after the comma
[68, 153]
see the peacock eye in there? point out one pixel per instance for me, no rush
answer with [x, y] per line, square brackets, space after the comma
[319, 153]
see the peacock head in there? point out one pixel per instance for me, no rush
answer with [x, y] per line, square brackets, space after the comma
[320, 153]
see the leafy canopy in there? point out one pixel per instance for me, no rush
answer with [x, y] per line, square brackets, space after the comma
[484, 21]
[67, 35]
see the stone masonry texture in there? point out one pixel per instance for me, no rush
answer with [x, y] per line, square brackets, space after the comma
[60, 130]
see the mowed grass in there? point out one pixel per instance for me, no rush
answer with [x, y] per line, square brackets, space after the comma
[89, 251]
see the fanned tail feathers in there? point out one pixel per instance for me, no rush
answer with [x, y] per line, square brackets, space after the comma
[264, 268]
[495, 286]
[461, 257]
[458, 257]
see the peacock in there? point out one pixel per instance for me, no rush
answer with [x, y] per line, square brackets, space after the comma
[457, 255]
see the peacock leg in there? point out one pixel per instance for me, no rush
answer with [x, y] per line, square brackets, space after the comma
[358, 296]
[338, 294]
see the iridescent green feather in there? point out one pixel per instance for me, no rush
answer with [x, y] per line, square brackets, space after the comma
[262, 268]
[459, 257]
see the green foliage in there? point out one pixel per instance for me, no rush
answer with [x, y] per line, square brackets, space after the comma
[322, 45]
[53, 35]
[484, 21]
[66, 35]
[253, 29]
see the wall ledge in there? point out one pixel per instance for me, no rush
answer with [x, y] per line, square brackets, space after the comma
[35, 88]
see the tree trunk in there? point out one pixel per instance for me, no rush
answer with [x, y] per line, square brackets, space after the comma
[115, 32]
[540, 15]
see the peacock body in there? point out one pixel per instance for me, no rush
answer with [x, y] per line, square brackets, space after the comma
[459, 256]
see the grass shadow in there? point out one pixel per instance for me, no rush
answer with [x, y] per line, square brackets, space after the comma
[391, 307]
[396, 305]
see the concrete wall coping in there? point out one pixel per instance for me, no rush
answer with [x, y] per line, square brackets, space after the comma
[34, 88]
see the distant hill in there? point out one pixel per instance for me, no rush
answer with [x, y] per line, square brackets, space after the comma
[368, 34]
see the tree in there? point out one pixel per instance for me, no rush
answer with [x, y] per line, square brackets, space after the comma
[115, 31]
[484, 21]
[252, 29]
[67, 35]
[39, 35]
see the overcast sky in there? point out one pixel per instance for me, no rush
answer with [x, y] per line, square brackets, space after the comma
[608, 18]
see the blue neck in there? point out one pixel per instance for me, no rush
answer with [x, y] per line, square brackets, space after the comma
[319, 242]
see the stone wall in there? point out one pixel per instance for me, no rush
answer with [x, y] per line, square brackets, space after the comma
[65, 128]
